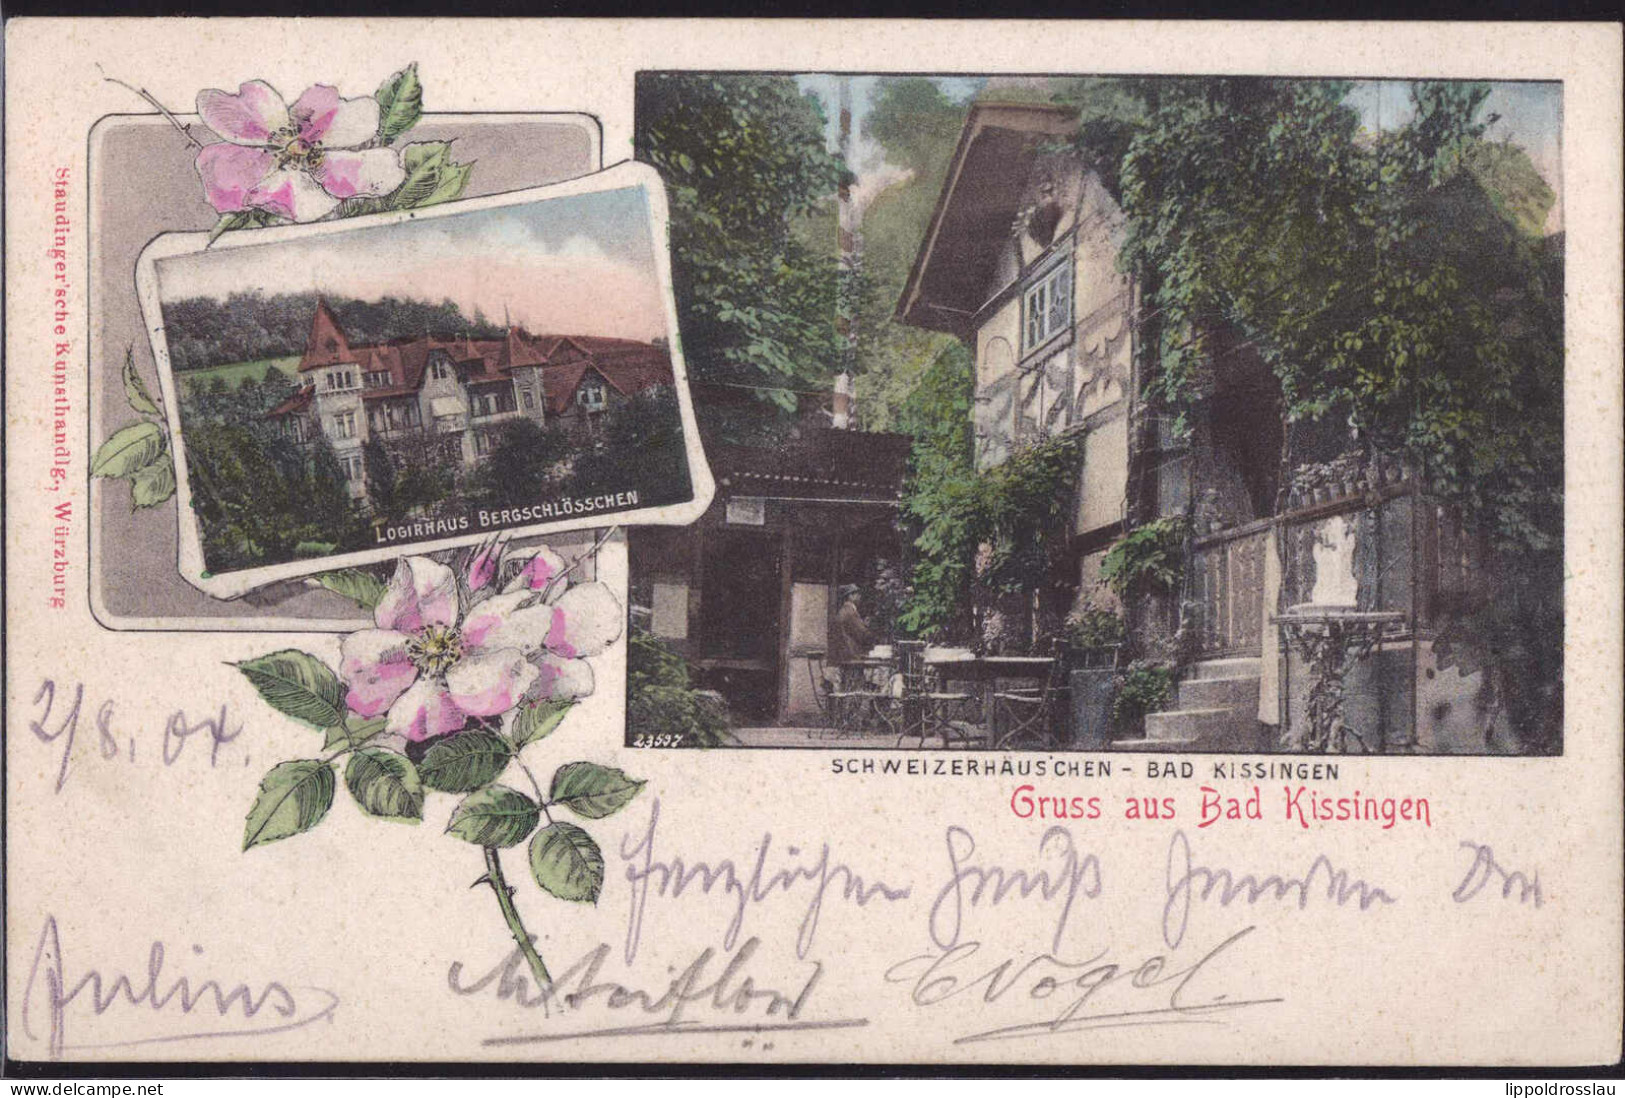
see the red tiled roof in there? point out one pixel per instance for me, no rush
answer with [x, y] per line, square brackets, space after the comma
[627, 365]
[517, 351]
[627, 371]
[326, 345]
[296, 403]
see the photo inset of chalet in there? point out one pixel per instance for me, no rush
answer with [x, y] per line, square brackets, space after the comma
[457, 393]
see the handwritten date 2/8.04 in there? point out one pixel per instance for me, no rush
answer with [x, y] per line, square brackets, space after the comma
[57, 720]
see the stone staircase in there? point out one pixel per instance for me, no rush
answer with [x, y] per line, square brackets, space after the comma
[1216, 709]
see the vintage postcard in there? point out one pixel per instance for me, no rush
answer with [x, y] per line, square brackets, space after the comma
[1059, 545]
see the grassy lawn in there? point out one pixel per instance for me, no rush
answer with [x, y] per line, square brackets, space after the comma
[234, 372]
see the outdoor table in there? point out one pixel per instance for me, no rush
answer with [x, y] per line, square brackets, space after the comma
[986, 671]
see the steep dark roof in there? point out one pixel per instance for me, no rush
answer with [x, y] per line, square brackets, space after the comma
[949, 280]
[517, 350]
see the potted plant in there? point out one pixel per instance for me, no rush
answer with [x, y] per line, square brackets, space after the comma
[1094, 638]
[1145, 686]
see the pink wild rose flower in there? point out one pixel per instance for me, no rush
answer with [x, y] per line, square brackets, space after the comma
[296, 162]
[432, 667]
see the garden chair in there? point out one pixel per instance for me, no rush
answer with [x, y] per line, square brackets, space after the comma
[1027, 716]
[856, 703]
[933, 711]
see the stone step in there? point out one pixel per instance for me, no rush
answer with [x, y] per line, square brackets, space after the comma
[1189, 724]
[1244, 667]
[1240, 694]
[1155, 745]
[1210, 729]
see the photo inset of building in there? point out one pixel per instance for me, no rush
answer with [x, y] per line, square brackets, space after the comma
[457, 393]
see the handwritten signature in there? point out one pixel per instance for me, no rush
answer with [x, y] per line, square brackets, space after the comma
[671, 878]
[208, 1001]
[734, 993]
[1485, 868]
[1089, 989]
[1187, 880]
[1071, 875]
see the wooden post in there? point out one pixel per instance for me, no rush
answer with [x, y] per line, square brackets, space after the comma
[696, 594]
[786, 543]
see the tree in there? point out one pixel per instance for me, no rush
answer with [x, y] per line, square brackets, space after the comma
[660, 699]
[1394, 281]
[259, 498]
[640, 445]
[275, 388]
[522, 462]
[941, 503]
[744, 158]
[245, 326]
[918, 127]
[380, 476]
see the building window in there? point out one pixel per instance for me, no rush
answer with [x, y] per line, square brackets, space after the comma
[354, 468]
[528, 398]
[376, 379]
[344, 425]
[393, 416]
[1046, 307]
[492, 400]
[591, 395]
[339, 380]
[482, 442]
[441, 370]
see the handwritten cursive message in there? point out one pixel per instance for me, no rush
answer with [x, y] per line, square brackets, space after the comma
[710, 993]
[1485, 870]
[1100, 992]
[1188, 881]
[1002, 937]
[159, 1009]
[672, 878]
[1064, 873]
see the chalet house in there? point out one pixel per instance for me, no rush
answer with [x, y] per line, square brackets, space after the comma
[452, 396]
[1020, 261]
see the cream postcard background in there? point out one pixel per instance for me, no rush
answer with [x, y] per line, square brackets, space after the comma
[133, 852]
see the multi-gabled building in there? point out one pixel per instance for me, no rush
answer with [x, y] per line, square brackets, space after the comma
[454, 395]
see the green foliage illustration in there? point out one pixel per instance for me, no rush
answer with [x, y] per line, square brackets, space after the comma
[397, 716]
